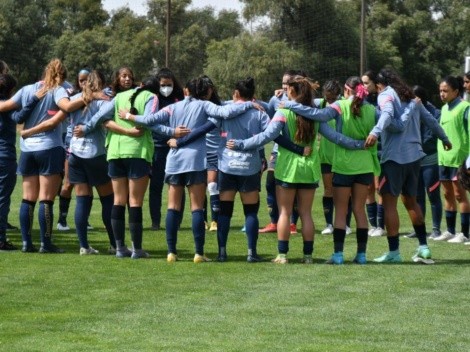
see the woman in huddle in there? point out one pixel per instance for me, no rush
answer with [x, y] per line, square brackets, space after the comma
[296, 176]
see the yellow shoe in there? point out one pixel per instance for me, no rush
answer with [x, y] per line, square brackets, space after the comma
[201, 259]
[171, 258]
[280, 259]
[213, 226]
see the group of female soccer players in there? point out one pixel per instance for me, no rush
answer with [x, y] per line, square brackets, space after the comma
[120, 135]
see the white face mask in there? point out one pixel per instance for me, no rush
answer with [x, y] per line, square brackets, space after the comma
[166, 91]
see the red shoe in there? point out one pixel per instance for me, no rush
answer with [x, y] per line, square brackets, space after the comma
[293, 229]
[269, 228]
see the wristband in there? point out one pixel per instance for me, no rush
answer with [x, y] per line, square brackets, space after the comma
[128, 114]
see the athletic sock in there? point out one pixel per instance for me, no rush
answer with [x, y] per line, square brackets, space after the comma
[118, 223]
[82, 211]
[308, 248]
[106, 210]
[199, 231]
[380, 216]
[372, 213]
[328, 209]
[283, 247]
[338, 239]
[393, 243]
[251, 226]
[26, 221]
[362, 238]
[464, 221]
[64, 204]
[45, 218]
[451, 219]
[420, 231]
[135, 227]
[173, 218]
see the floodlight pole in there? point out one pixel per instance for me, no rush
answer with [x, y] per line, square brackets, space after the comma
[363, 37]
[167, 47]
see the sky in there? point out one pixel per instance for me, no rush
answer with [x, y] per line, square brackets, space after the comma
[139, 6]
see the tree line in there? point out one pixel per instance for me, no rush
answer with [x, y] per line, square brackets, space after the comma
[424, 40]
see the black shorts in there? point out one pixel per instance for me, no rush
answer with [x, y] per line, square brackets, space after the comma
[284, 184]
[131, 168]
[399, 179]
[43, 162]
[187, 178]
[229, 182]
[212, 160]
[341, 180]
[93, 172]
[447, 173]
[326, 168]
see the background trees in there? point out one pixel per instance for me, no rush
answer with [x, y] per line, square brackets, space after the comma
[423, 39]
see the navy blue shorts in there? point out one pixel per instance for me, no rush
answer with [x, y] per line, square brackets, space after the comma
[284, 184]
[212, 164]
[229, 182]
[187, 178]
[447, 173]
[131, 168]
[326, 168]
[341, 180]
[43, 162]
[93, 172]
[397, 179]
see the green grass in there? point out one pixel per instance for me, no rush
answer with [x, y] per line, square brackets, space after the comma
[100, 303]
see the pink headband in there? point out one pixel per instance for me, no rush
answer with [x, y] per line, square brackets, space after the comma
[361, 91]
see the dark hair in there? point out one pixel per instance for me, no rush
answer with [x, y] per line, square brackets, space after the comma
[456, 83]
[4, 69]
[421, 93]
[389, 77]
[95, 83]
[151, 84]
[467, 74]
[463, 176]
[7, 84]
[214, 95]
[354, 82]
[333, 86]
[371, 74]
[201, 88]
[303, 88]
[76, 87]
[246, 88]
[166, 73]
[115, 85]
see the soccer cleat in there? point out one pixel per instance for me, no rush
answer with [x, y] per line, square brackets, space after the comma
[139, 254]
[458, 238]
[280, 259]
[435, 234]
[10, 227]
[410, 235]
[200, 259]
[63, 226]
[377, 232]
[124, 252]
[269, 228]
[88, 251]
[254, 258]
[243, 229]
[360, 258]
[336, 258]
[445, 236]
[328, 230]
[112, 250]
[155, 227]
[307, 259]
[423, 255]
[348, 230]
[171, 258]
[53, 249]
[7, 246]
[89, 227]
[371, 230]
[293, 229]
[29, 248]
[213, 226]
[389, 257]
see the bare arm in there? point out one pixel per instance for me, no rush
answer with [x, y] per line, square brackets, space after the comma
[46, 125]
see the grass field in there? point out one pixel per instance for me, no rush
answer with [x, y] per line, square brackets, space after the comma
[101, 303]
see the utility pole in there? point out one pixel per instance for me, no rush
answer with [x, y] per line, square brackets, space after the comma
[363, 38]
[167, 46]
